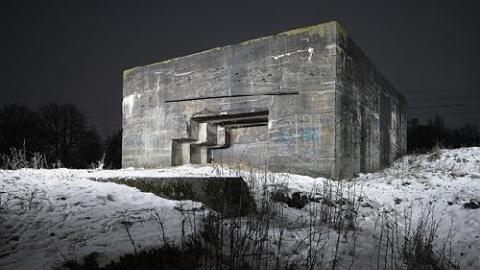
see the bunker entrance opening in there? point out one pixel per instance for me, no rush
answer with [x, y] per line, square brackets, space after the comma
[215, 136]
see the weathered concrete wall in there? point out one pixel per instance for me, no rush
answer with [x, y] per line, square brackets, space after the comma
[305, 101]
[371, 115]
[290, 76]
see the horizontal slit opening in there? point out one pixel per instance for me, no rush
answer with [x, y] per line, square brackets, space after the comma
[234, 126]
[232, 96]
[231, 117]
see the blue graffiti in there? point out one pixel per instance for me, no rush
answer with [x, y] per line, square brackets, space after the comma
[283, 137]
[303, 141]
[309, 134]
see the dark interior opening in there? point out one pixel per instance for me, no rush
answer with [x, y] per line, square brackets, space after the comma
[236, 120]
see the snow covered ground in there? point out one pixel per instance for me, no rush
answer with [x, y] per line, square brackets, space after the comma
[416, 183]
[50, 216]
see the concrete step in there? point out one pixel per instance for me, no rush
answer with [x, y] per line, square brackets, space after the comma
[227, 195]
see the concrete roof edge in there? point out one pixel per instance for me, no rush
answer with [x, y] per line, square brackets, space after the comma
[316, 28]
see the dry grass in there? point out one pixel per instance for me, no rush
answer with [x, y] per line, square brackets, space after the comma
[18, 159]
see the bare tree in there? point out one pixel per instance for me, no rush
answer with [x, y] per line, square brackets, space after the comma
[19, 128]
[67, 136]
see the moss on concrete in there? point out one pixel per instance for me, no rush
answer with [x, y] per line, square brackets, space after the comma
[129, 72]
[319, 29]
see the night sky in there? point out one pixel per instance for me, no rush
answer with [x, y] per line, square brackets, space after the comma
[75, 51]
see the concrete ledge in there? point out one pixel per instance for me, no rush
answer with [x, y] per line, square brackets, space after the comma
[227, 195]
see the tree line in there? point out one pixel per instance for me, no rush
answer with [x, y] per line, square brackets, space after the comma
[58, 131]
[423, 137]
[61, 133]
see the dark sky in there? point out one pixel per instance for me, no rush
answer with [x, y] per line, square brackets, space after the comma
[75, 51]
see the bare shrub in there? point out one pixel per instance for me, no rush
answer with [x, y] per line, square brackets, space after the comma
[18, 159]
[256, 241]
[99, 164]
[411, 245]
[240, 242]
[4, 200]
[435, 152]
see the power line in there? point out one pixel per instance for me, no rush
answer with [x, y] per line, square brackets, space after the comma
[445, 98]
[455, 113]
[438, 106]
[441, 89]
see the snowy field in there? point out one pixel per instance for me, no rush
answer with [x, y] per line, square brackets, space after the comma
[50, 216]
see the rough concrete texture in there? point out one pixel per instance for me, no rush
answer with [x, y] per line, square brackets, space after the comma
[227, 195]
[306, 101]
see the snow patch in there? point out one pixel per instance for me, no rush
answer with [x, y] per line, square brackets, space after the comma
[56, 215]
[270, 123]
[309, 50]
[184, 73]
[128, 103]
[310, 54]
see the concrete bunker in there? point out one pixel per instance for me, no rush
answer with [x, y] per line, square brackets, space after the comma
[305, 101]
